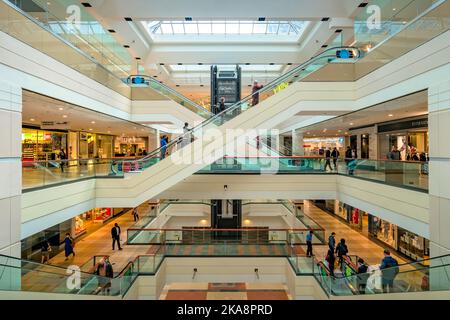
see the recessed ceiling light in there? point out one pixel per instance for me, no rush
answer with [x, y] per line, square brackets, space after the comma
[351, 123]
[93, 122]
[393, 9]
[90, 129]
[390, 115]
[61, 108]
[32, 119]
[64, 115]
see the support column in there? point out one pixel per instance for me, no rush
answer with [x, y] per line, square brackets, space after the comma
[439, 186]
[297, 144]
[11, 186]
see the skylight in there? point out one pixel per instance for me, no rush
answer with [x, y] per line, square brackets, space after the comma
[206, 29]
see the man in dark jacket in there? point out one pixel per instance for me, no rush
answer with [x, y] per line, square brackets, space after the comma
[362, 276]
[331, 241]
[389, 269]
[348, 155]
[335, 156]
[115, 234]
[328, 160]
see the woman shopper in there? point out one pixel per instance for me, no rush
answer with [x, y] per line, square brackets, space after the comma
[68, 246]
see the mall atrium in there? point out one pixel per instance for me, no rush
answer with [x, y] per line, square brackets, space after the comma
[225, 150]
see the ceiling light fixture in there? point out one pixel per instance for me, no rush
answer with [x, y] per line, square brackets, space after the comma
[32, 119]
[64, 115]
[61, 108]
[390, 115]
[351, 123]
[93, 122]
[90, 129]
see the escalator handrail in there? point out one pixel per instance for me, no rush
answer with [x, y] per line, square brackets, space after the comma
[323, 55]
[411, 264]
[179, 95]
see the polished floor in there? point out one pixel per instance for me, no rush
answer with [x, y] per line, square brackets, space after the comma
[225, 291]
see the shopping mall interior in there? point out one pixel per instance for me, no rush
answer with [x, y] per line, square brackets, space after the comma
[224, 150]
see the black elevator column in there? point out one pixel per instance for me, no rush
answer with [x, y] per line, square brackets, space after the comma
[226, 214]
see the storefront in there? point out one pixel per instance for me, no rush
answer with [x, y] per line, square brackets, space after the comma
[90, 221]
[383, 231]
[317, 146]
[42, 145]
[45, 145]
[413, 245]
[410, 136]
[93, 145]
[130, 146]
[83, 224]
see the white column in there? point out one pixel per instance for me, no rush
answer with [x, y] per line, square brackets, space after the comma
[11, 173]
[439, 173]
[297, 144]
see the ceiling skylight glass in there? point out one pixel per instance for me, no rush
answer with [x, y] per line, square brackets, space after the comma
[207, 29]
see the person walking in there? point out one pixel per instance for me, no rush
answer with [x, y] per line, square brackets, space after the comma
[221, 106]
[45, 252]
[62, 158]
[332, 241]
[115, 234]
[255, 92]
[389, 269]
[105, 270]
[328, 159]
[331, 259]
[186, 137]
[309, 250]
[348, 155]
[163, 143]
[362, 277]
[335, 155]
[135, 214]
[341, 251]
[69, 243]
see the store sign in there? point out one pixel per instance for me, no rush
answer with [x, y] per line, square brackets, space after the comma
[404, 125]
[55, 125]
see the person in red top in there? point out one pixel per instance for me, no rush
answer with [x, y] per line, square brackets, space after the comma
[255, 93]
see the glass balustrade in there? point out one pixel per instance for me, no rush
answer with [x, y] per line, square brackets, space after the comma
[406, 174]
[422, 276]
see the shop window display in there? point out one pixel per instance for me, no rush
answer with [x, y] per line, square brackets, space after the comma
[383, 230]
[39, 145]
[413, 245]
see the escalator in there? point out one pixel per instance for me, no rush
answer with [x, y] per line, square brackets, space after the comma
[422, 276]
[205, 143]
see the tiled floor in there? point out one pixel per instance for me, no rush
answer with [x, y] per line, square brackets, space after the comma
[225, 291]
